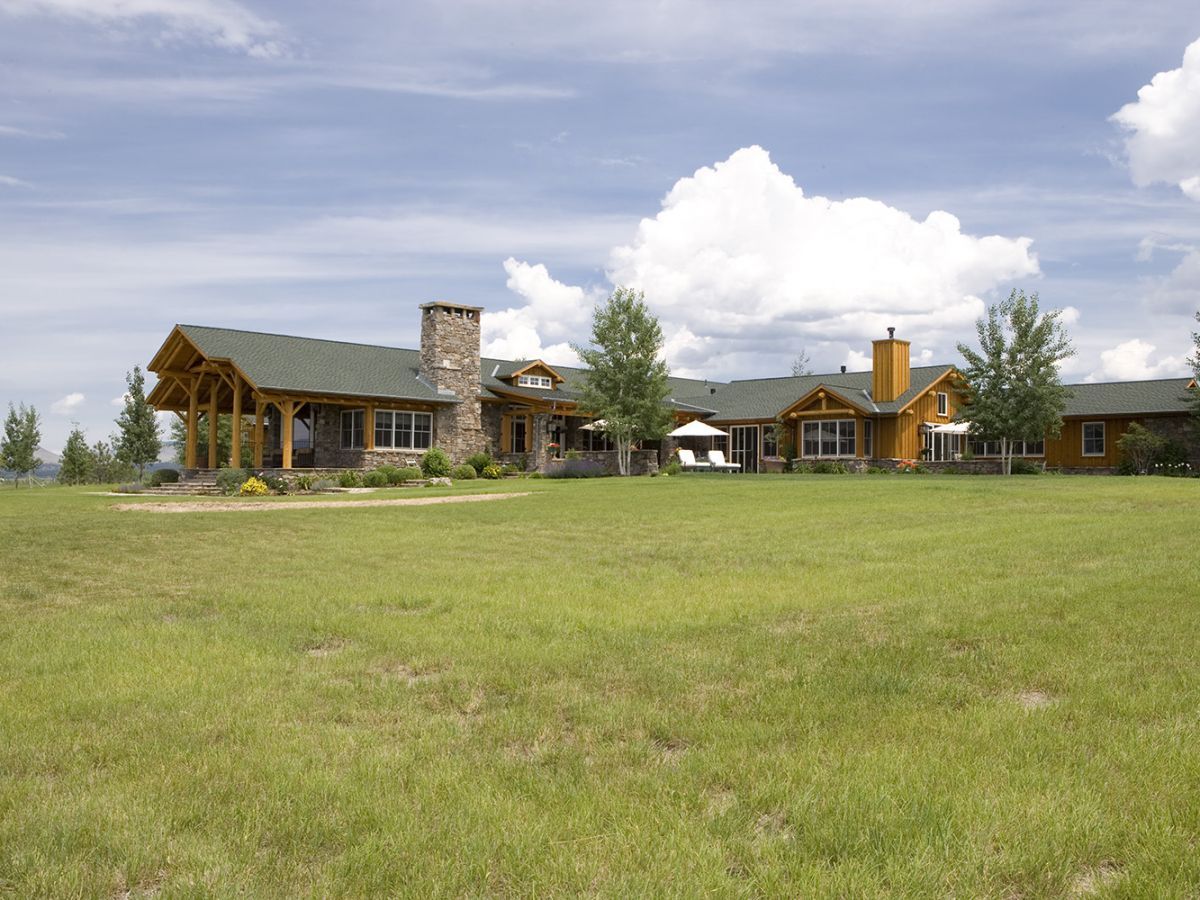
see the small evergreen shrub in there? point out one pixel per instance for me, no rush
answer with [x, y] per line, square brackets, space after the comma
[493, 471]
[672, 468]
[435, 463]
[375, 479]
[1025, 467]
[391, 473]
[253, 487]
[349, 479]
[572, 454]
[479, 461]
[410, 473]
[304, 482]
[164, 476]
[464, 473]
[230, 481]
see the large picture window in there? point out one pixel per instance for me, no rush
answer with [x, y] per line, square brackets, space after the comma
[834, 437]
[1017, 448]
[403, 430]
[352, 429]
[1093, 438]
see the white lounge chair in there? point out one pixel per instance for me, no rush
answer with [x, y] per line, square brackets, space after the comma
[687, 459]
[717, 459]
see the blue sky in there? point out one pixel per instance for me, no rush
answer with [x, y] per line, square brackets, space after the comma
[774, 176]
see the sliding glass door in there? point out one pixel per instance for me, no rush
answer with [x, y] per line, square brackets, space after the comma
[744, 439]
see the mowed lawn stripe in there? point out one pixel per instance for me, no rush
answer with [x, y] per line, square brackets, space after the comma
[808, 686]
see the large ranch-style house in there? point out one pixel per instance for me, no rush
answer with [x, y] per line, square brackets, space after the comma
[323, 404]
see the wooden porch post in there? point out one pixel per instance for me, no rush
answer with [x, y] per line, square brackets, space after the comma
[235, 447]
[369, 427]
[193, 424]
[289, 412]
[214, 418]
[260, 409]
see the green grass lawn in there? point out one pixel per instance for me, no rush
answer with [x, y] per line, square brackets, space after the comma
[785, 686]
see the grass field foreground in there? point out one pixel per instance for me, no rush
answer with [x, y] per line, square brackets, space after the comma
[796, 686]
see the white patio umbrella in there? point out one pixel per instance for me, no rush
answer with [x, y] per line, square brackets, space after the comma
[697, 428]
[598, 425]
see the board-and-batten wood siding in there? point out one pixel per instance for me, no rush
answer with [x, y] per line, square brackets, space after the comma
[890, 361]
[903, 438]
[1067, 449]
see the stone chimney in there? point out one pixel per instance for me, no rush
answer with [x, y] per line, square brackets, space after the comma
[450, 363]
[890, 368]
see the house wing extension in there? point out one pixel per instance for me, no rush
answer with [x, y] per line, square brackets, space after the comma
[303, 366]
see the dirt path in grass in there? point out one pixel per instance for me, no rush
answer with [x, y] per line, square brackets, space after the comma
[255, 505]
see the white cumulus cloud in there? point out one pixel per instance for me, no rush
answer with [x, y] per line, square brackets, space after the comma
[554, 314]
[1132, 361]
[739, 264]
[224, 23]
[739, 251]
[1163, 127]
[64, 406]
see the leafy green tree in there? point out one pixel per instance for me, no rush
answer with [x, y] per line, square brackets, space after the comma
[109, 469]
[78, 462]
[18, 446]
[178, 435]
[1140, 448]
[138, 441]
[1011, 387]
[626, 382]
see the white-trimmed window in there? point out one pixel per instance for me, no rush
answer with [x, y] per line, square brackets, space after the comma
[352, 429]
[403, 430]
[534, 381]
[1016, 448]
[943, 401]
[833, 437]
[1093, 438]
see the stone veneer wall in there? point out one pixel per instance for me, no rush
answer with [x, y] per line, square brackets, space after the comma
[492, 424]
[1179, 430]
[450, 362]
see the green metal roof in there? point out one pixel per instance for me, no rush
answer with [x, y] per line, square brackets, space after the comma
[1116, 398]
[766, 398]
[311, 365]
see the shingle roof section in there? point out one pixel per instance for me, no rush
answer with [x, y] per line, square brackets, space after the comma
[1166, 395]
[311, 365]
[766, 398]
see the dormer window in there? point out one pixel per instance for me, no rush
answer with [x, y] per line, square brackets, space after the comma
[534, 381]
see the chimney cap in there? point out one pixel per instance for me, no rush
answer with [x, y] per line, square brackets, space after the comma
[449, 304]
[843, 370]
[891, 332]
